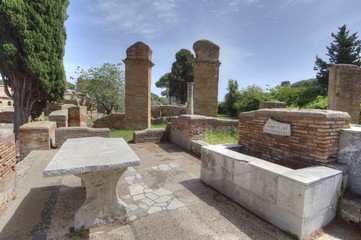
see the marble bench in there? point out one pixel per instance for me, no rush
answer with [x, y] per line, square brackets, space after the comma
[99, 162]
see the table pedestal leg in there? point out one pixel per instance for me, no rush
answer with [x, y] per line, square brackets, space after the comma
[102, 204]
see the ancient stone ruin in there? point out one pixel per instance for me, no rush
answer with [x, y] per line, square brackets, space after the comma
[138, 74]
[344, 90]
[206, 75]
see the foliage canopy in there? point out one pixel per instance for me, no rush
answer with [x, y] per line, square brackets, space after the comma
[103, 87]
[345, 49]
[32, 41]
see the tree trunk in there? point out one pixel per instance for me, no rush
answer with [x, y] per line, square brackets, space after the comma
[22, 93]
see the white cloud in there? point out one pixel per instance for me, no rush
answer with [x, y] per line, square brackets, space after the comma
[142, 17]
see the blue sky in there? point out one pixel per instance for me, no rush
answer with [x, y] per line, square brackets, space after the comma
[262, 42]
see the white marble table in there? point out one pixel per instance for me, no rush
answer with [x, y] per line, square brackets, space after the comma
[99, 162]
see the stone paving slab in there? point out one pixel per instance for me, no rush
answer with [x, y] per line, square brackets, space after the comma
[188, 209]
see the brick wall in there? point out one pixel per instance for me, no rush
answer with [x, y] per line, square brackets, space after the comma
[113, 120]
[77, 116]
[36, 136]
[60, 117]
[314, 136]
[7, 168]
[7, 117]
[186, 128]
[151, 135]
[62, 134]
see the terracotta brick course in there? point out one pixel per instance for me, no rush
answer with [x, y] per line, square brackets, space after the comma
[113, 120]
[36, 136]
[314, 136]
[7, 168]
[77, 116]
[60, 117]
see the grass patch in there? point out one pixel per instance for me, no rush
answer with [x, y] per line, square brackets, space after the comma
[220, 136]
[120, 133]
[128, 134]
[160, 125]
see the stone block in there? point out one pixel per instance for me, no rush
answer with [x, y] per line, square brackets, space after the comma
[62, 134]
[299, 201]
[113, 121]
[36, 136]
[60, 117]
[351, 210]
[151, 135]
[77, 116]
[350, 154]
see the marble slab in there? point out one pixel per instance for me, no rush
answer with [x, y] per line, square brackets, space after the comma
[90, 154]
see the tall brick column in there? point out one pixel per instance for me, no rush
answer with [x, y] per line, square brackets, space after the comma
[206, 74]
[344, 90]
[138, 74]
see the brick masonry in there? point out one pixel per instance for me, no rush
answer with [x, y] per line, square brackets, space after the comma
[269, 104]
[113, 120]
[138, 74]
[38, 135]
[206, 75]
[60, 117]
[7, 168]
[151, 135]
[62, 134]
[77, 116]
[314, 139]
[7, 117]
[344, 90]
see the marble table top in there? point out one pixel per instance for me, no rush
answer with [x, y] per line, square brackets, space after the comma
[79, 155]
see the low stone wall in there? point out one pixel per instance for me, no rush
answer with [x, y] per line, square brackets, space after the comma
[186, 128]
[151, 135]
[167, 111]
[77, 116]
[350, 210]
[350, 154]
[7, 117]
[60, 117]
[7, 168]
[62, 134]
[57, 106]
[268, 104]
[298, 201]
[163, 113]
[227, 125]
[113, 120]
[36, 136]
[312, 138]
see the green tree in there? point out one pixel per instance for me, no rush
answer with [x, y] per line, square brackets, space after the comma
[103, 86]
[250, 98]
[345, 49]
[32, 40]
[231, 97]
[295, 96]
[163, 82]
[181, 73]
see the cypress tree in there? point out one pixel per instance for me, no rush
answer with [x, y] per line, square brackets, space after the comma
[32, 42]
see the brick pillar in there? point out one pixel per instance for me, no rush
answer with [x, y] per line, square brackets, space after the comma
[138, 74]
[206, 74]
[77, 116]
[344, 90]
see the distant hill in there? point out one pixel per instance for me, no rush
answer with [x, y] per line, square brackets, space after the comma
[312, 82]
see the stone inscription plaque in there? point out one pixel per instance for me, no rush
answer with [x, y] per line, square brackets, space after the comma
[277, 128]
